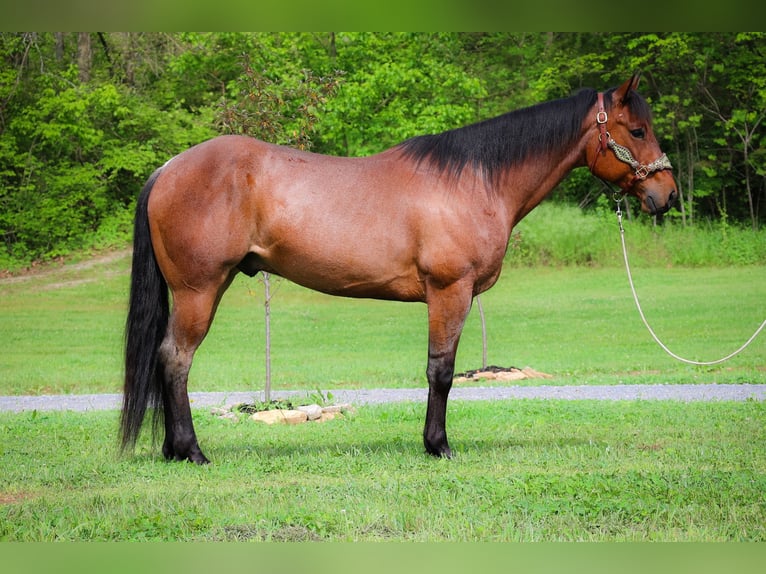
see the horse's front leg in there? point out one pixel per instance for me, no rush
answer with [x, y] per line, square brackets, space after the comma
[447, 310]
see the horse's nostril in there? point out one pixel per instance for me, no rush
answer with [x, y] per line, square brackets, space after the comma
[672, 197]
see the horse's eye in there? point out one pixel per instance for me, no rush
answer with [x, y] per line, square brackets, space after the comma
[638, 133]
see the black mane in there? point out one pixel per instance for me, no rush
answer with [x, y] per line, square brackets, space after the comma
[492, 146]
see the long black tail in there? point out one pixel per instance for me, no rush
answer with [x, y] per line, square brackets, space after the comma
[144, 330]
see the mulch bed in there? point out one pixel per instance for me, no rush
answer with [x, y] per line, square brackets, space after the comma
[495, 373]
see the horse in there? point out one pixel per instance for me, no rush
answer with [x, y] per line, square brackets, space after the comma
[427, 220]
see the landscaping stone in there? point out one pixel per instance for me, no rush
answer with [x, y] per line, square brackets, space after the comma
[335, 408]
[313, 412]
[285, 416]
[329, 415]
[301, 414]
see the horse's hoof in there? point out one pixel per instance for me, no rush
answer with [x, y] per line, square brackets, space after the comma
[439, 452]
[195, 456]
[199, 459]
[192, 455]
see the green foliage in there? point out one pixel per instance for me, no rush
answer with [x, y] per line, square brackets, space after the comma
[557, 234]
[285, 114]
[396, 86]
[74, 159]
[78, 136]
[317, 397]
[260, 406]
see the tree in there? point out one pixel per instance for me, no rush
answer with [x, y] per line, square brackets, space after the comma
[736, 100]
[396, 86]
[84, 56]
[86, 117]
[257, 107]
[72, 154]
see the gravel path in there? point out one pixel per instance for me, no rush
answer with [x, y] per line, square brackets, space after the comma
[683, 393]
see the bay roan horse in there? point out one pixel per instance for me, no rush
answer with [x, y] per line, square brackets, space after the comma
[428, 220]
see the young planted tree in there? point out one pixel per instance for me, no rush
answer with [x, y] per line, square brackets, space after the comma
[483, 333]
[285, 113]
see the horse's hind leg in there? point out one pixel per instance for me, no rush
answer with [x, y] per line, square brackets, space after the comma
[447, 310]
[193, 311]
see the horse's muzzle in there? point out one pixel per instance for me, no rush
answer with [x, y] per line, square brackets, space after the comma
[656, 205]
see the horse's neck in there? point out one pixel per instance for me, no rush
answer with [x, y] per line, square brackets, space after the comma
[526, 185]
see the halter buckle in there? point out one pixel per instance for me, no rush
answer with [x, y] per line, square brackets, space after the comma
[642, 171]
[601, 117]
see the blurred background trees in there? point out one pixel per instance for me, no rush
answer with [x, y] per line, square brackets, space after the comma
[86, 117]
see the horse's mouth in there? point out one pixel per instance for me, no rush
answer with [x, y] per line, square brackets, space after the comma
[654, 209]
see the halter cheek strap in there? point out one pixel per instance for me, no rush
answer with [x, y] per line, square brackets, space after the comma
[641, 171]
[601, 119]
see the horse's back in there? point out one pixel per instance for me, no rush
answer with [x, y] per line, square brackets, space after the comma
[330, 223]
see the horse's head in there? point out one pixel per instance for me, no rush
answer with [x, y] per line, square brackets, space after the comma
[627, 153]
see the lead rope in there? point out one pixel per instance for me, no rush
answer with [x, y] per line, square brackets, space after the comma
[651, 331]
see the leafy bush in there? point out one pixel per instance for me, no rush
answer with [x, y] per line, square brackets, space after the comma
[81, 130]
[73, 163]
[560, 234]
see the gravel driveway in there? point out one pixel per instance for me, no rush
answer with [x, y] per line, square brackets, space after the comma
[683, 393]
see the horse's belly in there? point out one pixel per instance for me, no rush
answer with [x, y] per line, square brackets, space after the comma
[351, 279]
[352, 252]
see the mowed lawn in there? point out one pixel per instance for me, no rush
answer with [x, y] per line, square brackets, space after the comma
[62, 331]
[524, 470]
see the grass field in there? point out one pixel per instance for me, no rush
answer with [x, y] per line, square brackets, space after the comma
[61, 331]
[524, 471]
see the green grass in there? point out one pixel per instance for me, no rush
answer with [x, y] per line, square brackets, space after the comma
[62, 331]
[524, 471]
[560, 234]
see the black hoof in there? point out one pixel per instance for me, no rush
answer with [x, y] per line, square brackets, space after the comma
[198, 458]
[193, 454]
[442, 451]
[447, 453]
[195, 458]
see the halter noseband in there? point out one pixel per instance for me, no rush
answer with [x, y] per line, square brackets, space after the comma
[642, 171]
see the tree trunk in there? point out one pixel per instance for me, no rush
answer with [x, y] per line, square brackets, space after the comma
[267, 317]
[691, 155]
[59, 36]
[483, 334]
[681, 194]
[84, 56]
[750, 204]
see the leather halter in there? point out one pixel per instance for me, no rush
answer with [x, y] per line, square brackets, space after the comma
[641, 171]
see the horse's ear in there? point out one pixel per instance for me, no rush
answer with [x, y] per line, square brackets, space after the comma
[622, 94]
